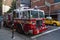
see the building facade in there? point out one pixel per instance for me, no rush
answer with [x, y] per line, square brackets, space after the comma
[24, 2]
[41, 3]
[53, 9]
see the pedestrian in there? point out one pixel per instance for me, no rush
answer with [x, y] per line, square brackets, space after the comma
[13, 30]
[12, 26]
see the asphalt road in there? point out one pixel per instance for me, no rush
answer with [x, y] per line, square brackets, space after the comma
[5, 34]
[50, 36]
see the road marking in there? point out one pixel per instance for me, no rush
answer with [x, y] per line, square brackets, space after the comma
[45, 33]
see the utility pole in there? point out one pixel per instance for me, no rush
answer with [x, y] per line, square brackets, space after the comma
[48, 5]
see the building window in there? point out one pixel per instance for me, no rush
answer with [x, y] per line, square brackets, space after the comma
[56, 1]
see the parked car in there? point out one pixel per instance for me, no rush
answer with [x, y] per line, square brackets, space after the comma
[52, 22]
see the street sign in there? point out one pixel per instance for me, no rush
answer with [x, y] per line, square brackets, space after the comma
[47, 4]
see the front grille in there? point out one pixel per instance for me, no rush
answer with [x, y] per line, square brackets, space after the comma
[38, 23]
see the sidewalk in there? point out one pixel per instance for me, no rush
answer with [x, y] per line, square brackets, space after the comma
[5, 34]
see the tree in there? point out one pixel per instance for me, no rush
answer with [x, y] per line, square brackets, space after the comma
[0, 3]
[12, 7]
[0, 7]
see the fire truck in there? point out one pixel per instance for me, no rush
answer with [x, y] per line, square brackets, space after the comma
[28, 20]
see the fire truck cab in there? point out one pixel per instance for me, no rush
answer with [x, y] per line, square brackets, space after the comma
[29, 21]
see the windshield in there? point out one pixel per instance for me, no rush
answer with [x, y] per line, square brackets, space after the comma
[37, 14]
[34, 14]
[41, 14]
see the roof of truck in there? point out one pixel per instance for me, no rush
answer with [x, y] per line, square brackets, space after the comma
[27, 9]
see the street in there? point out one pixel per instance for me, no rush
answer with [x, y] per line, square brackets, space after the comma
[6, 34]
[52, 34]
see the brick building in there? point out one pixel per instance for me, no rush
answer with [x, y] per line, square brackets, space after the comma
[54, 9]
[41, 3]
[24, 2]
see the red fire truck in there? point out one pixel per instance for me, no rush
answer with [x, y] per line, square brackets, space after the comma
[28, 21]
